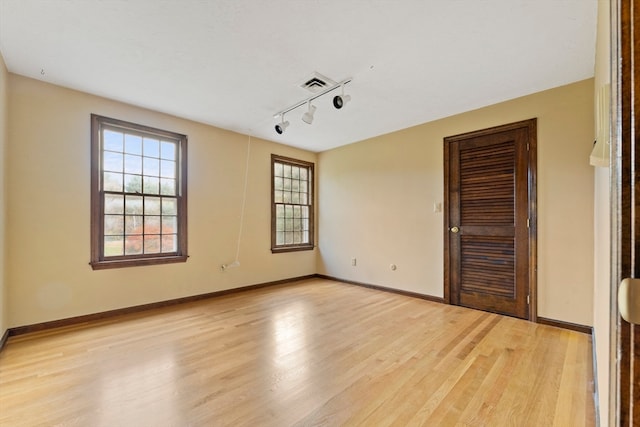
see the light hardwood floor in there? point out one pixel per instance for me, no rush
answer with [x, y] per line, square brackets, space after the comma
[315, 352]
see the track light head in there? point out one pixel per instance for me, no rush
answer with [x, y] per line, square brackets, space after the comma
[340, 100]
[280, 127]
[308, 116]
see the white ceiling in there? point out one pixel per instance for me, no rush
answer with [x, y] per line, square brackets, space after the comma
[235, 63]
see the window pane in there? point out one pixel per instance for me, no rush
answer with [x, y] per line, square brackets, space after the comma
[295, 198]
[112, 140]
[286, 184]
[112, 181]
[304, 211]
[133, 164]
[167, 187]
[305, 237]
[286, 197]
[133, 205]
[297, 238]
[151, 244]
[113, 225]
[152, 205]
[278, 197]
[133, 144]
[113, 204]
[167, 169]
[152, 224]
[280, 224]
[280, 238]
[169, 243]
[113, 246]
[133, 245]
[296, 211]
[279, 211]
[133, 224]
[288, 238]
[303, 174]
[295, 185]
[277, 183]
[277, 169]
[133, 183]
[151, 147]
[168, 150]
[303, 199]
[305, 224]
[288, 211]
[151, 185]
[288, 224]
[112, 161]
[295, 172]
[151, 166]
[287, 171]
[169, 224]
[169, 206]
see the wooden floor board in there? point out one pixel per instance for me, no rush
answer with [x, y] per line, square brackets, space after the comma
[313, 353]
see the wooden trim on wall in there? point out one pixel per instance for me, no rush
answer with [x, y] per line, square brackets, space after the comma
[3, 340]
[541, 320]
[384, 289]
[20, 330]
[566, 325]
[445, 232]
[533, 218]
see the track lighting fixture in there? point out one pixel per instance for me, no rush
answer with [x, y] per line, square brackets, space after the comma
[280, 127]
[307, 117]
[340, 100]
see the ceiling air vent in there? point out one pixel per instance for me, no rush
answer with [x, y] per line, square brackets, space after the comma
[317, 82]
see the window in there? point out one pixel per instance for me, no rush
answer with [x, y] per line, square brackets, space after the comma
[292, 204]
[138, 195]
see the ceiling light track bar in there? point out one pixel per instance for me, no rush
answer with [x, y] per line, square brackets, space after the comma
[311, 98]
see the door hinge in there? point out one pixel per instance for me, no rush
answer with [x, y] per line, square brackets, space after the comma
[528, 300]
[527, 222]
[527, 146]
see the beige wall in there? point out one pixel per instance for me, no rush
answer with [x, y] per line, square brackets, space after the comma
[48, 209]
[375, 197]
[4, 116]
[602, 234]
[376, 202]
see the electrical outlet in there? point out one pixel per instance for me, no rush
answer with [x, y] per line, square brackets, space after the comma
[353, 262]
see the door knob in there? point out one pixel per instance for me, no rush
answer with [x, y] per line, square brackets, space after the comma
[454, 229]
[629, 300]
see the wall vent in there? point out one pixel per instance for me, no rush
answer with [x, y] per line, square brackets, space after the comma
[317, 82]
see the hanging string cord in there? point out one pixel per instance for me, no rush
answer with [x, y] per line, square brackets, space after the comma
[244, 199]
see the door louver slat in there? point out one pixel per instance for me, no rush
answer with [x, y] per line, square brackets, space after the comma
[488, 265]
[480, 204]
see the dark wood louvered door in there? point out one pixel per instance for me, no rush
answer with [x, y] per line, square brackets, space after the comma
[489, 197]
